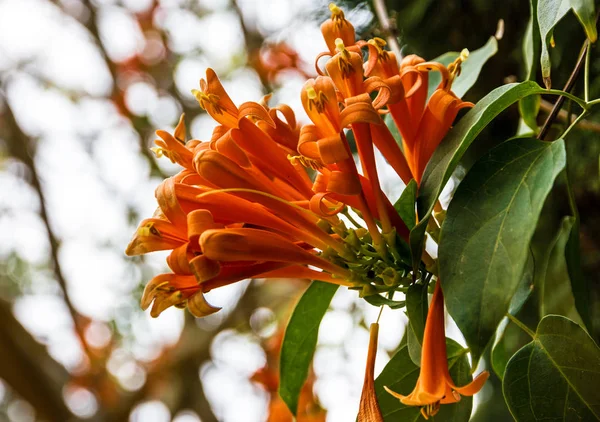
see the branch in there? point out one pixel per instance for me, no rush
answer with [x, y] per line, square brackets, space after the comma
[390, 31]
[563, 115]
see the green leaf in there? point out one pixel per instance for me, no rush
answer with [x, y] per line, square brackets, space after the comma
[506, 345]
[532, 43]
[555, 377]
[300, 340]
[485, 236]
[405, 206]
[580, 286]
[550, 12]
[470, 69]
[552, 279]
[529, 108]
[450, 151]
[400, 375]
[416, 309]
[378, 300]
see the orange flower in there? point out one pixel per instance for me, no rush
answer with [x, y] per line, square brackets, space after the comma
[435, 385]
[369, 410]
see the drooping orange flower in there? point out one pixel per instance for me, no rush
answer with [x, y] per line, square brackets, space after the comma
[435, 385]
[369, 410]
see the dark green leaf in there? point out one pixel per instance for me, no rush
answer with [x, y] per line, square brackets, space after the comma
[400, 375]
[449, 152]
[378, 300]
[300, 340]
[555, 377]
[504, 347]
[470, 68]
[416, 309]
[552, 279]
[406, 204]
[580, 286]
[485, 236]
[550, 12]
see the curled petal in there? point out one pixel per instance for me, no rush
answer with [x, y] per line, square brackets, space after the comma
[343, 183]
[178, 260]
[198, 222]
[199, 307]
[164, 301]
[318, 206]
[204, 269]
[384, 92]
[256, 112]
[332, 149]
[168, 203]
[173, 148]
[160, 281]
[360, 111]
[228, 147]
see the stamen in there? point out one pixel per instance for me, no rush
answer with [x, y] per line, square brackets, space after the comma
[455, 67]
[208, 99]
[344, 60]
[305, 161]
[316, 99]
[336, 12]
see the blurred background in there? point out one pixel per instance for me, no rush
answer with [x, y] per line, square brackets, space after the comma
[83, 87]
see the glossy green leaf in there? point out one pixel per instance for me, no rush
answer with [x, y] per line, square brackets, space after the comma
[448, 154]
[550, 12]
[551, 276]
[300, 340]
[400, 375]
[470, 69]
[506, 345]
[555, 377]
[485, 237]
[416, 308]
[406, 205]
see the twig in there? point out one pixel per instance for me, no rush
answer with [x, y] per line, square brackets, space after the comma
[568, 86]
[389, 31]
[562, 115]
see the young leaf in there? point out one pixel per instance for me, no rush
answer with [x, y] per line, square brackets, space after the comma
[405, 206]
[550, 12]
[532, 43]
[470, 69]
[416, 309]
[300, 340]
[400, 375]
[449, 152]
[485, 236]
[555, 377]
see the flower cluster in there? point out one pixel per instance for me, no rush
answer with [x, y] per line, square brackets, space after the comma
[267, 198]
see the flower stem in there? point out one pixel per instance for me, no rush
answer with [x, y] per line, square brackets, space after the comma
[520, 325]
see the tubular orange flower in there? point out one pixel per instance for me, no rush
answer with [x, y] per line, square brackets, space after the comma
[435, 385]
[369, 410]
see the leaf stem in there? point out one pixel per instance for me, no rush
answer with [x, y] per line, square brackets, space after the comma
[520, 325]
[564, 94]
[586, 75]
[577, 120]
